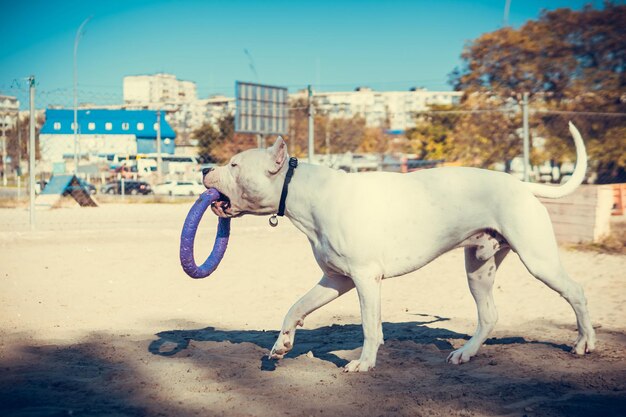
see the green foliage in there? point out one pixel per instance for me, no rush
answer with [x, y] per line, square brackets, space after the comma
[432, 137]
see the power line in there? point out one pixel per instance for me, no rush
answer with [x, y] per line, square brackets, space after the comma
[581, 113]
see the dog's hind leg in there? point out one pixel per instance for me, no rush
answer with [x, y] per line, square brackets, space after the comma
[480, 276]
[538, 250]
[321, 294]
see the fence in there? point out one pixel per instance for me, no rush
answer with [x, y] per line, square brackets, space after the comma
[485, 138]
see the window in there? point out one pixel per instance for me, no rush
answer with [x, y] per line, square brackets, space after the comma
[139, 126]
[108, 125]
[91, 126]
[156, 126]
[73, 125]
[125, 126]
[57, 125]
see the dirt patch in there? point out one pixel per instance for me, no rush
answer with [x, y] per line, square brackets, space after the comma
[98, 319]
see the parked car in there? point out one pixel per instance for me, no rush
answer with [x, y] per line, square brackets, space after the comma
[132, 187]
[179, 188]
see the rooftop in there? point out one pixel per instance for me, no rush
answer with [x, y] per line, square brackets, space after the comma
[141, 123]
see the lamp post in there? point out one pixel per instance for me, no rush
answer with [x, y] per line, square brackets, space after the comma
[79, 33]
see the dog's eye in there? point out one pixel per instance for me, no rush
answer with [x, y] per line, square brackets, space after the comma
[232, 164]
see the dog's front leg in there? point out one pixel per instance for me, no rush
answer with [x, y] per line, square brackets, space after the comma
[369, 299]
[329, 288]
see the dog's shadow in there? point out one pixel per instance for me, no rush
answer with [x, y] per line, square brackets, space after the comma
[321, 341]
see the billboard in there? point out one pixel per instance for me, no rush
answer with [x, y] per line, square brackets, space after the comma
[261, 109]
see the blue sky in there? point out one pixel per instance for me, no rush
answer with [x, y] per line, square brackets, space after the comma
[334, 45]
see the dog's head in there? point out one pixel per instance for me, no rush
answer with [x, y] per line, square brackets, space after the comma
[251, 182]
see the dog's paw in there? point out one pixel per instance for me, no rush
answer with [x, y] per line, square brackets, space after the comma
[584, 344]
[283, 345]
[458, 357]
[359, 366]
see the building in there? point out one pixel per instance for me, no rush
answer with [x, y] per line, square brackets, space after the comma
[184, 111]
[9, 104]
[393, 110]
[158, 88]
[9, 113]
[217, 107]
[101, 132]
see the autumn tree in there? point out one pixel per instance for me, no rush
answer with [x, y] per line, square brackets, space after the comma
[432, 136]
[569, 61]
[298, 138]
[332, 135]
[219, 143]
[344, 134]
[18, 140]
[374, 141]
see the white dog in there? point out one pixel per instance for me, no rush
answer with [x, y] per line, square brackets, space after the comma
[366, 227]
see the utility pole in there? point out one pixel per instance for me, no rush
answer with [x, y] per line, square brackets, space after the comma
[4, 120]
[526, 137]
[158, 149]
[19, 155]
[76, 144]
[311, 127]
[31, 151]
[327, 139]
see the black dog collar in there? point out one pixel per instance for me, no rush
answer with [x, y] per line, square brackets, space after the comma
[293, 164]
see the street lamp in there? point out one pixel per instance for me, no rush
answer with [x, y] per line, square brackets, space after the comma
[79, 33]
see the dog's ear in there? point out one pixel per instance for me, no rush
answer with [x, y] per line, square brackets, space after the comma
[278, 154]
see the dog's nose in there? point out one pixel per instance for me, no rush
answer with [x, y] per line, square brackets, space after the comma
[206, 171]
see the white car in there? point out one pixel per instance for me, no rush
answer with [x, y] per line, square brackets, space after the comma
[179, 188]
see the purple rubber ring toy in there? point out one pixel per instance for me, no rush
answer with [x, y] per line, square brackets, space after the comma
[188, 236]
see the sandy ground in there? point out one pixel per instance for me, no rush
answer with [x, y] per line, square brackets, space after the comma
[98, 319]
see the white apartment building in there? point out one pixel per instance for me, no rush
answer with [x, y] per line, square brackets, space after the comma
[9, 109]
[179, 99]
[217, 107]
[393, 110]
[158, 88]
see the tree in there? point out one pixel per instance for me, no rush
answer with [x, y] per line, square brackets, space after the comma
[345, 135]
[297, 140]
[335, 135]
[569, 61]
[563, 54]
[209, 140]
[432, 137]
[374, 141]
[219, 144]
[18, 140]
[489, 136]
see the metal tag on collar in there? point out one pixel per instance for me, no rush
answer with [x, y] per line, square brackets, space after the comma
[273, 220]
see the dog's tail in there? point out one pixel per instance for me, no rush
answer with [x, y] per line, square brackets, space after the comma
[541, 190]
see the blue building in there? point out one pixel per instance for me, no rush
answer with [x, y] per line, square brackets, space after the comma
[120, 132]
